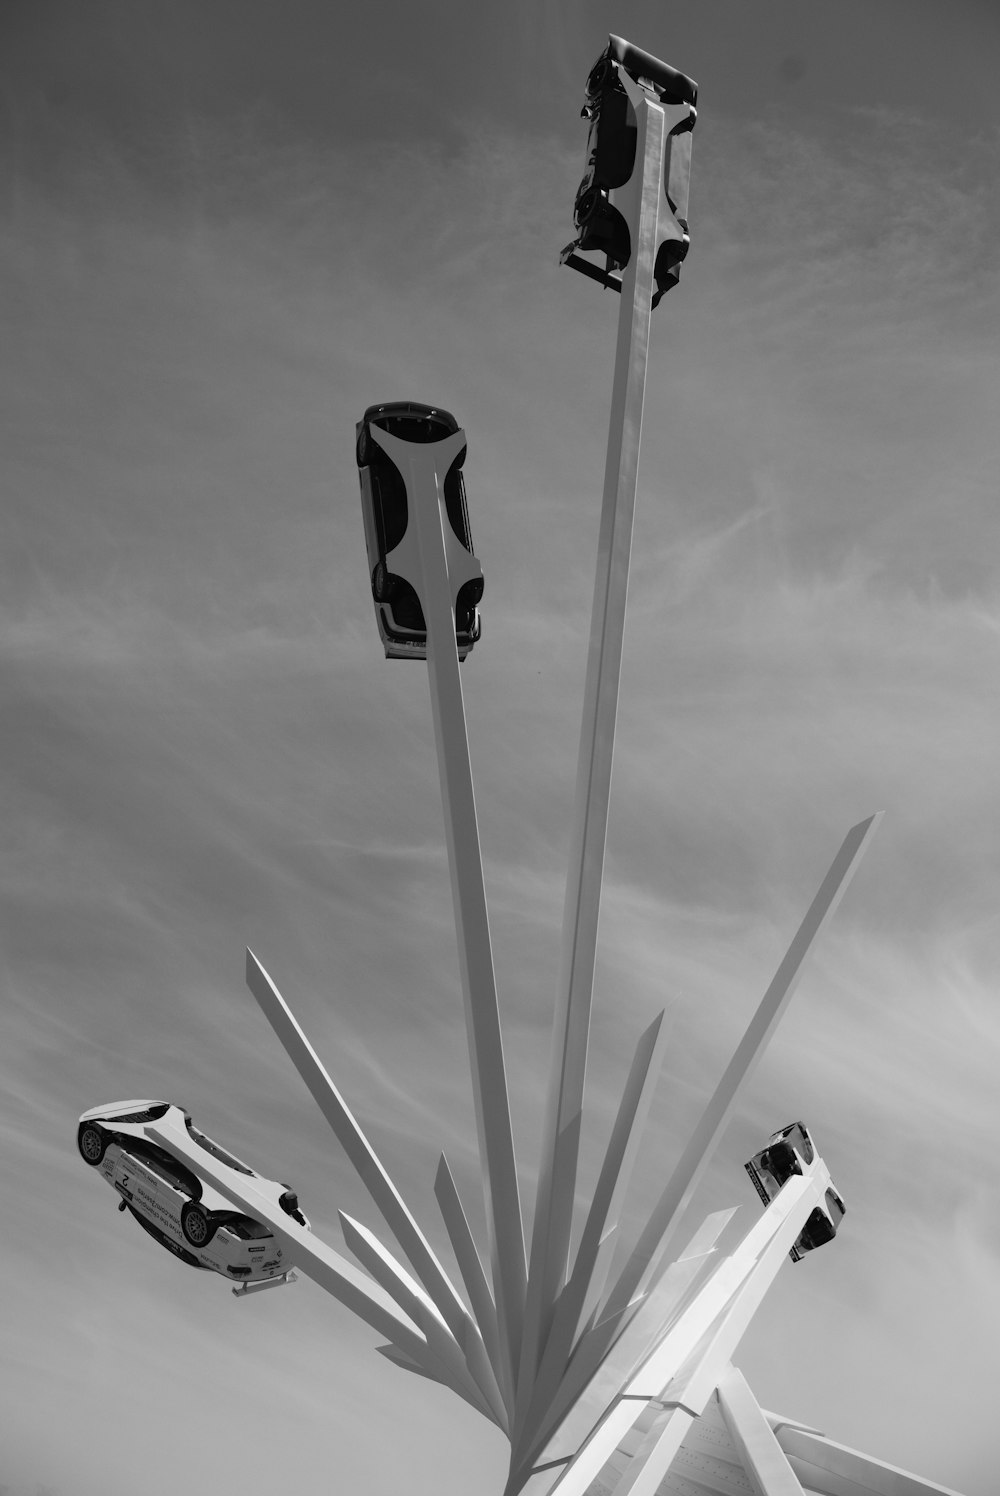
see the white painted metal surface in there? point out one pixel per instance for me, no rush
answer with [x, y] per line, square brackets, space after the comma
[823, 1465]
[700, 1147]
[439, 566]
[571, 1027]
[763, 1458]
[356, 1145]
[683, 1369]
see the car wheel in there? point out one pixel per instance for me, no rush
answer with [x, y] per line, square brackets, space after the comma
[196, 1226]
[364, 448]
[383, 585]
[92, 1144]
[589, 205]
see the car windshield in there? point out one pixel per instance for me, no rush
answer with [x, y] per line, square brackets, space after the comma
[214, 1149]
[796, 1135]
[247, 1229]
[150, 1114]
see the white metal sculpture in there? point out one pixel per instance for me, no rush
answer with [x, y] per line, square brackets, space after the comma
[597, 1380]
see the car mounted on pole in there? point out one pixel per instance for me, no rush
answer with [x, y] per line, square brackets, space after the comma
[791, 1151]
[611, 165]
[386, 506]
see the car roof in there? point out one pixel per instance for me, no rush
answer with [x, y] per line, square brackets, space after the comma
[412, 408]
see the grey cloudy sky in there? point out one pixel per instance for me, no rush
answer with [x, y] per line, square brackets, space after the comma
[228, 228]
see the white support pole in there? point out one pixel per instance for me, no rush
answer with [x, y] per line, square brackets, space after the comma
[701, 1145]
[650, 1462]
[660, 1306]
[688, 1391]
[619, 1160]
[358, 1148]
[684, 1368]
[763, 1458]
[475, 1383]
[602, 1217]
[823, 1465]
[645, 1331]
[703, 1141]
[463, 1244]
[431, 547]
[564, 1099]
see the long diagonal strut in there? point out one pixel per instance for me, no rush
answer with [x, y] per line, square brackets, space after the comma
[372, 1173]
[564, 1098]
[667, 1212]
[436, 557]
[602, 1218]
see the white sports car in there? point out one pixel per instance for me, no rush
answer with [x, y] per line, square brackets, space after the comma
[180, 1211]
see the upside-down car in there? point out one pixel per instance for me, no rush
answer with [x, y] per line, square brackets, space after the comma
[180, 1211]
[791, 1151]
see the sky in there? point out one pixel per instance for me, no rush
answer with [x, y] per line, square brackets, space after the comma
[227, 229]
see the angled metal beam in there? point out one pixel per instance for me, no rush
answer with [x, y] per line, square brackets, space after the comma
[372, 1255]
[616, 1169]
[649, 1463]
[823, 1465]
[470, 1265]
[657, 1310]
[673, 1371]
[643, 1333]
[432, 544]
[396, 1356]
[703, 1141]
[700, 1147]
[356, 1145]
[639, 201]
[684, 1367]
[686, 1395]
[598, 1236]
[763, 1458]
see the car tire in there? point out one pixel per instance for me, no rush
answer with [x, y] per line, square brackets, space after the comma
[363, 448]
[383, 585]
[589, 205]
[92, 1144]
[196, 1226]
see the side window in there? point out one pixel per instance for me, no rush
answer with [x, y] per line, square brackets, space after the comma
[247, 1229]
[389, 502]
[454, 501]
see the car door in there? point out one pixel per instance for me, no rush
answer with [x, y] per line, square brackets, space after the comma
[148, 1192]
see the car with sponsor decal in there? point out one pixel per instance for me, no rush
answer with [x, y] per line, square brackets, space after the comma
[180, 1211]
[789, 1151]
